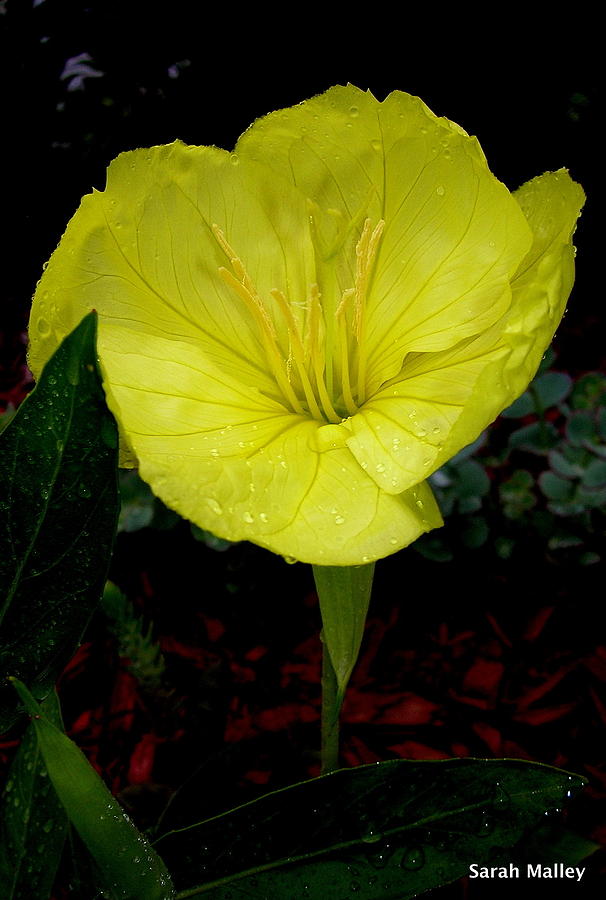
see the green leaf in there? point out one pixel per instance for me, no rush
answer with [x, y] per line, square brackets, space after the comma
[556, 488]
[592, 496]
[389, 830]
[545, 391]
[475, 532]
[33, 823]
[344, 594]
[589, 391]
[137, 503]
[521, 407]
[129, 867]
[211, 540]
[433, 547]
[563, 467]
[550, 389]
[472, 480]
[517, 494]
[58, 511]
[595, 474]
[539, 437]
[581, 427]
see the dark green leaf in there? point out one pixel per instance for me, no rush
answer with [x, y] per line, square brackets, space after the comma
[550, 389]
[211, 540]
[475, 532]
[137, 503]
[517, 494]
[433, 547]
[468, 451]
[591, 496]
[563, 466]
[548, 360]
[58, 511]
[33, 822]
[468, 505]
[595, 474]
[391, 830]
[130, 869]
[556, 488]
[521, 407]
[581, 427]
[472, 480]
[589, 391]
[539, 437]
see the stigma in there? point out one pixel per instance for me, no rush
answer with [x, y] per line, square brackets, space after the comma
[319, 367]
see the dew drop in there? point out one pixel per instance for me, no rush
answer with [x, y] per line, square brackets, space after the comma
[354, 112]
[440, 191]
[43, 327]
[380, 467]
[372, 837]
[413, 859]
[339, 520]
[263, 517]
[248, 518]
[216, 507]
[376, 145]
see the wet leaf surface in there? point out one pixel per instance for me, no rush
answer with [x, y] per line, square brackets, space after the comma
[33, 823]
[390, 830]
[58, 512]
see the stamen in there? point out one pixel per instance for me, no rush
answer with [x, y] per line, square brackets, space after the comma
[343, 342]
[297, 351]
[330, 351]
[366, 251]
[246, 291]
[317, 357]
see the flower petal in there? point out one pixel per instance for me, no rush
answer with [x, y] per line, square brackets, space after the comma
[453, 235]
[144, 255]
[440, 402]
[231, 460]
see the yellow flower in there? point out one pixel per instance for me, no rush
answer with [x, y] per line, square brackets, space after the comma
[295, 335]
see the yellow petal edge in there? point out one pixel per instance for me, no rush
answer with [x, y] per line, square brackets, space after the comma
[295, 335]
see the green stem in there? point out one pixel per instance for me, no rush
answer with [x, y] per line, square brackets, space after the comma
[331, 707]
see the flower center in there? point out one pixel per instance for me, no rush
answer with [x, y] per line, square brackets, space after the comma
[319, 367]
